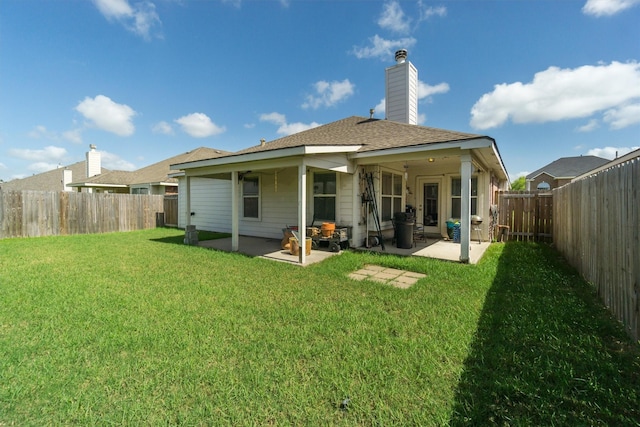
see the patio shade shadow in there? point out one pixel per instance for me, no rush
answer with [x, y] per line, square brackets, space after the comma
[178, 239]
[546, 351]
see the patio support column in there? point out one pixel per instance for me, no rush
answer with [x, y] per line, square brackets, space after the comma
[356, 209]
[187, 202]
[235, 188]
[302, 211]
[465, 206]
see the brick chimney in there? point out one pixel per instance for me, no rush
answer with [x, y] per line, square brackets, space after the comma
[94, 166]
[401, 90]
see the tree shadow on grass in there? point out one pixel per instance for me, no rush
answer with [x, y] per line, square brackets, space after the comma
[546, 351]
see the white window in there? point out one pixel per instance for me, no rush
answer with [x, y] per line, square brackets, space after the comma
[251, 197]
[544, 186]
[456, 191]
[324, 196]
[140, 190]
[391, 193]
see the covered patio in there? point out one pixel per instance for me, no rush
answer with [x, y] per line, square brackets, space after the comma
[269, 248]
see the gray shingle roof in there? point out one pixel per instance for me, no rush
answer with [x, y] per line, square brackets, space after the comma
[50, 180]
[371, 134]
[155, 173]
[569, 167]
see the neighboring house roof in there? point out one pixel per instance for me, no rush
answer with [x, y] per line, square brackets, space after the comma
[50, 180]
[569, 167]
[356, 135]
[157, 173]
[614, 162]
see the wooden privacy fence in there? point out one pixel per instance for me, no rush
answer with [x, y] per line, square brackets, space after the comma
[597, 230]
[171, 210]
[50, 213]
[528, 214]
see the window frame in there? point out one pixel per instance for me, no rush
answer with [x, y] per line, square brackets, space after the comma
[395, 196]
[474, 198]
[324, 195]
[257, 196]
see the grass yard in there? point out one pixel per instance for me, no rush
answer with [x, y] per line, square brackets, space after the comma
[135, 328]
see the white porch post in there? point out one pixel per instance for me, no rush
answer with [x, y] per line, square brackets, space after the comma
[302, 212]
[187, 202]
[465, 206]
[356, 209]
[235, 188]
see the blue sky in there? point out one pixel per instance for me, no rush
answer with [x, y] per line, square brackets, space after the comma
[147, 80]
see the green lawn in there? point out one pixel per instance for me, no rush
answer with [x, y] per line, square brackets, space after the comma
[136, 328]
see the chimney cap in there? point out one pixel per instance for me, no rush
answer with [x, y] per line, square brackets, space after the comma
[401, 55]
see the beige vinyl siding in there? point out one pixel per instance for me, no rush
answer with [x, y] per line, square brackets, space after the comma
[210, 202]
[344, 214]
[279, 204]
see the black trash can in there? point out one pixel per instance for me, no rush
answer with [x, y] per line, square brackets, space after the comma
[404, 229]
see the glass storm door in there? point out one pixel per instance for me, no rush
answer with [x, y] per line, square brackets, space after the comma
[431, 198]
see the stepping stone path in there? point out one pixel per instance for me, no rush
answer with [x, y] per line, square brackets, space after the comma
[389, 276]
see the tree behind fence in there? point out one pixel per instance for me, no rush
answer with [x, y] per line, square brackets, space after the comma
[597, 230]
[50, 213]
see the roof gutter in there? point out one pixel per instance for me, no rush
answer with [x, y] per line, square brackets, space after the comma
[267, 155]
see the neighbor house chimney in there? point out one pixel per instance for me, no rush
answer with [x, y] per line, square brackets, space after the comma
[94, 166]
[67, 178]
[401, 90]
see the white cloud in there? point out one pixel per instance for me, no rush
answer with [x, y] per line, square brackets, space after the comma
[560, 94]
[39, 167]
[140, 18]
[284, 127]
[199, 125]
[393, 18]
[107, 115]
[73, 135]
[115, 162]
[592, 125]
[425, 90]
[162, 128]
[427, 12]
[329, 94]
[234, 3]
[49, 154]
[382, 48]
[381, 108]
[607, 7]
[42, 132]
[624, 116]
[610, 152]
[275, 118]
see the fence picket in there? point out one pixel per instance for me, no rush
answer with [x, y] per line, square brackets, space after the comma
[527, 213]
[596, 228]
[50, 213]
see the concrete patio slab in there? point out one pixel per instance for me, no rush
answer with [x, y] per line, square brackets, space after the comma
[265, 248]
[270, 249]
[432, 248]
